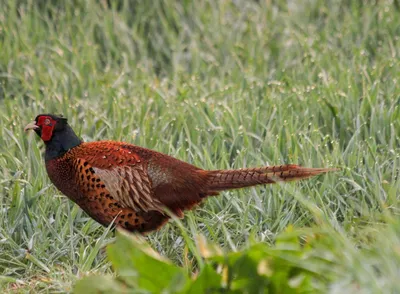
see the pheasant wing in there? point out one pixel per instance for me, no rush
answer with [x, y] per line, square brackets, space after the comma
[130, 186]
[142, 179]
[122, 171]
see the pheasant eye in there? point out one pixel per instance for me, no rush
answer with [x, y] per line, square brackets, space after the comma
[47, 122]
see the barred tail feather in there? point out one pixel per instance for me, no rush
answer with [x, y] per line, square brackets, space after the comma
[218, 180]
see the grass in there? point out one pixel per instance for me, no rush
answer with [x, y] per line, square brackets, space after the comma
[220, 84]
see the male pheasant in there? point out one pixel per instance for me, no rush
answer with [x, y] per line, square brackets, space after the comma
[130, 185]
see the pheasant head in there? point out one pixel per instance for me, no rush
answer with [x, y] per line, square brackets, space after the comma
[56, 134]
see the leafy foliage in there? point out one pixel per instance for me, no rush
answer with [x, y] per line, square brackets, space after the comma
[301, 261]
[286, 267]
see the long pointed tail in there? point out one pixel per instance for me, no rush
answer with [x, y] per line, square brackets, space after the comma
[233, 179]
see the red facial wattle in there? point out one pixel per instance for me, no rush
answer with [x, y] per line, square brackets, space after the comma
[47, 125]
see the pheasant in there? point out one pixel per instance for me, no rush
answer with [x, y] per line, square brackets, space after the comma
[134, 187]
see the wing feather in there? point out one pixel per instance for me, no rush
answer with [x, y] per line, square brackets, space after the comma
[130, 186]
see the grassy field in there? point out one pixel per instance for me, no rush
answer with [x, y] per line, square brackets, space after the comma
[220, 84]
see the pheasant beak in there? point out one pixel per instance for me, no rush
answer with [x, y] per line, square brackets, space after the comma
[31, 126]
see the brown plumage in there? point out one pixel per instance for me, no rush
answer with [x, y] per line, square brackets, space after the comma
[131, 185]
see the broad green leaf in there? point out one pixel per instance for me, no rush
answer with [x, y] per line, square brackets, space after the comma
[137, 264]
[102, 284]
[208, 281]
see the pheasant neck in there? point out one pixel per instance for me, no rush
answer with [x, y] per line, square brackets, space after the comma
[60, 143]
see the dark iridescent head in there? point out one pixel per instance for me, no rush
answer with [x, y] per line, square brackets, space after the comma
[56, 134]
[45, 125]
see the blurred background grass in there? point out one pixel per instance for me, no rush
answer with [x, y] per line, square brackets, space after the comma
[220, 84]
